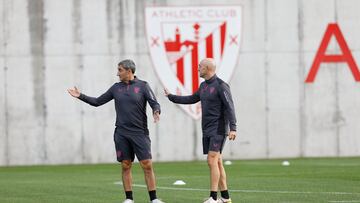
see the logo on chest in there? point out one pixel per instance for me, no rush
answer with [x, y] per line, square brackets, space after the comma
[207, 88]
[136, 90]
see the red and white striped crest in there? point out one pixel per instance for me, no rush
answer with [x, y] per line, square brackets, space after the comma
[180, 37]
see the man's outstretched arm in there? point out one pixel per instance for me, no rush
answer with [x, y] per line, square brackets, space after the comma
[191, 99]
[93, 101]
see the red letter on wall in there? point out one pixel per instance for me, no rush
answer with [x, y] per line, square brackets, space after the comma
[333, 29]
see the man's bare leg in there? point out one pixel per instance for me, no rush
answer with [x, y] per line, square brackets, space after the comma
[126, 174]
[213, 162]
[222, 181]
[149, 178]
[147, 167]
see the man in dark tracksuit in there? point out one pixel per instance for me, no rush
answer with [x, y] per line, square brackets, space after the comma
[131, 134]
[218, 115]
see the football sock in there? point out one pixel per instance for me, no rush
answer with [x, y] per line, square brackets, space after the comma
[152, 195]
[225, 194]
[213, 194]
[129, 195]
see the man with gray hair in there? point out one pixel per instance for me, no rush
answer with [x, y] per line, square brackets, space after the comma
[218, 115]
[131, 134]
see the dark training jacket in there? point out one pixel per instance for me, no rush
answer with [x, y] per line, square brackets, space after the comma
[217, 106]
[130, 105]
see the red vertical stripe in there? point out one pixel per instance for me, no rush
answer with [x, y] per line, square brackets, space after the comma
[209, 46]
[222, 36]
[194, 64]
[180, 69]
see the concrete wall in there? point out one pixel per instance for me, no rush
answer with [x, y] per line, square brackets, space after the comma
[47, 46]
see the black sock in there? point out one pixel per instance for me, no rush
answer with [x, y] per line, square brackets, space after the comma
[213, 194]
[225, 194]
[152, 195]
[129, 195]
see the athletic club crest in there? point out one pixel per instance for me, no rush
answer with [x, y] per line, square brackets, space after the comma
[180, 37]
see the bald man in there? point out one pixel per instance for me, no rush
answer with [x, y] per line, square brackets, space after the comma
[218, 115]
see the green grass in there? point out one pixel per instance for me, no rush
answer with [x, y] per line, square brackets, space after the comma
[305, 180]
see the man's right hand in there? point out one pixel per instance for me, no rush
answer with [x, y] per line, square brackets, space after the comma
[74, 92]
[232, 135]
[166, 92]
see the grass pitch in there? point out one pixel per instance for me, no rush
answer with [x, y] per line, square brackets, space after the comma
[305, 180]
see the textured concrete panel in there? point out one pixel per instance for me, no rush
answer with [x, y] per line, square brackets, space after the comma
[348, 17]
[281, 25]
[63, 124]
[59, 28]
[25, 124]
[93, 27]
[98, 75]
[113, 21]
[321, 103]
[283, 103]
[3, 114]
[17, 28]
[253, 29]
[315, 16]
[3, 27]
[348, 118]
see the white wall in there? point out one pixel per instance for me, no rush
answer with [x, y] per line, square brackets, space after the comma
[48, 46]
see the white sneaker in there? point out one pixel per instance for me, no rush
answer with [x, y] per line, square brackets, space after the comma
[157, 201]
[128, 201]
[211, 200]
[223, 200]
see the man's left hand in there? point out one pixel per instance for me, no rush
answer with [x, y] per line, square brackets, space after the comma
[156, 116]
[232, 135]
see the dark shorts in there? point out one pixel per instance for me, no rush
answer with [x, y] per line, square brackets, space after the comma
[127, 146]
[213, 143]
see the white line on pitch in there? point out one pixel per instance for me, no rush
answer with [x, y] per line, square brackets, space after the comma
[246, 191]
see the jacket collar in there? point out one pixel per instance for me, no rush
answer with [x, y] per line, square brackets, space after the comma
[212, 79]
